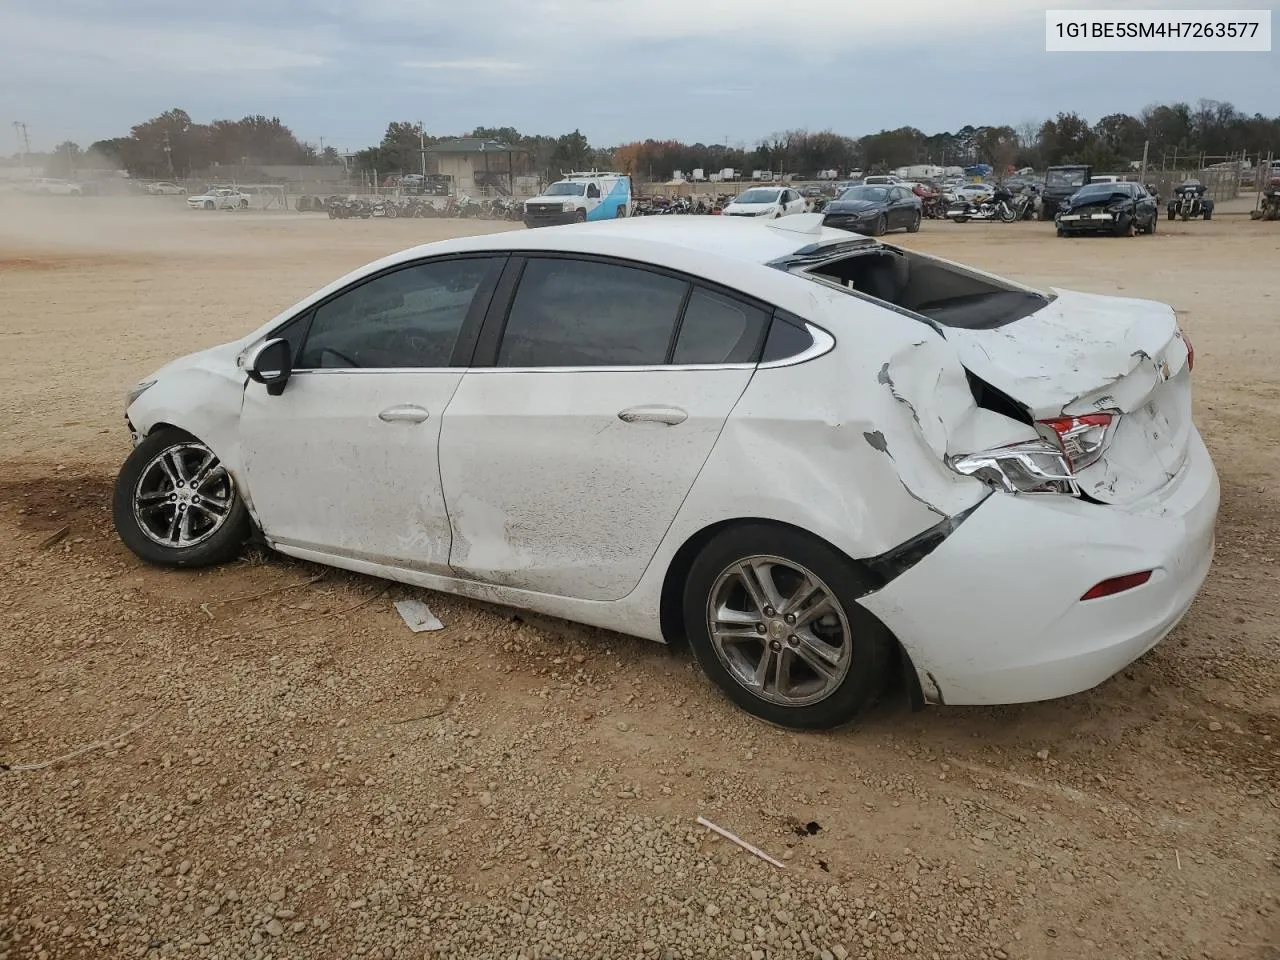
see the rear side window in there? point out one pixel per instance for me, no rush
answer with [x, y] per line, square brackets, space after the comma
[718, 329]
[582, 313]
[786, 340]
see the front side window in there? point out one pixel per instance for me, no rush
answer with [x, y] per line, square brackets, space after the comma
[408, 318]
[593, 190]
[582, 313]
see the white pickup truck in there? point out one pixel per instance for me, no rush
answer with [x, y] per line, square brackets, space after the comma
[219, 198]
[580, 197]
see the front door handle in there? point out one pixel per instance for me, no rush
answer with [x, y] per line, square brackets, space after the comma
[653, 414]
[404, 413]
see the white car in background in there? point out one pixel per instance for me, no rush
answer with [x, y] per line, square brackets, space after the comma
[165, 188]
[219, 198]
[50, 187]
[821, 459]
[771, 202]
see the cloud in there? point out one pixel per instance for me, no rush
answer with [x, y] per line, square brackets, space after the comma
[481, 65]
[619, 70]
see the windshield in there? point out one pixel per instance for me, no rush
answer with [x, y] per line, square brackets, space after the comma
[1065, 178]
[759, 196]
[872, 194]
[1096, 190]
[565, 189]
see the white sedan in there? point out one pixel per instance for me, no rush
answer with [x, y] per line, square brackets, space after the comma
[165, 188]
[770, 202]
[219, 198]
[821, 459]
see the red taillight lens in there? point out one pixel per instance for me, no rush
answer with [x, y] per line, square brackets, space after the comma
[1082, 438]
[1117, 585]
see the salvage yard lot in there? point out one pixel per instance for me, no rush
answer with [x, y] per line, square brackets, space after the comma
[304, 777]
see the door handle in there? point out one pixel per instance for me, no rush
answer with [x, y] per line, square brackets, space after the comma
[404, 413]
[653, 414]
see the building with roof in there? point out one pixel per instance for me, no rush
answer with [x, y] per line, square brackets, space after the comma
[475, 163]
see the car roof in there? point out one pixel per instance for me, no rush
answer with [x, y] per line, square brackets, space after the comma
[650, 238]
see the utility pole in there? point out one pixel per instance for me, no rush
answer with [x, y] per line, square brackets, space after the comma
[26, 143]
[168, 154]
[1146, 145]
[422, 151]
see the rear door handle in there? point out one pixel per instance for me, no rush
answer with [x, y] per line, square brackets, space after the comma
[404, 413]
[653, 414]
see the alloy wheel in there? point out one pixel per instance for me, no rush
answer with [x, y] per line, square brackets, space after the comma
[779, 631]
[183, 496]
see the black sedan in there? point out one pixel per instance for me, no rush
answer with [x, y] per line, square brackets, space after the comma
[874, 210]
[1121, 209]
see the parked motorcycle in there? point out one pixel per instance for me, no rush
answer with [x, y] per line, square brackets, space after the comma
[1190, 200]
[1000, 206]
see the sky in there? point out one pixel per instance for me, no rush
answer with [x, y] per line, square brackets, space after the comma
[618, 70]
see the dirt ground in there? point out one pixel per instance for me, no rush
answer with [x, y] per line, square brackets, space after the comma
[296, 774]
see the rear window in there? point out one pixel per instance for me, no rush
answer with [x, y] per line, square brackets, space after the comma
[947, 294]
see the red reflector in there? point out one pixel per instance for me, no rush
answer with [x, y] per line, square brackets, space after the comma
[1117, 585]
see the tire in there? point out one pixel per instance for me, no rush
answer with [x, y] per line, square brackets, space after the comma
[914, 225]
[244, 204]
[208, 204]
[620, 212]
[1208, 215]
[216, 535]
[580, 217]
[881, 227]
[1007, 214]
[1061, 232]
[960, 219]
[855, 645]
[1125, 228]
[1173, 215]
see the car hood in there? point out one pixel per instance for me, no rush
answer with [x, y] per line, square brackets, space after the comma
[203, 196]
[855, 206]
[558, 199]
[751, 207]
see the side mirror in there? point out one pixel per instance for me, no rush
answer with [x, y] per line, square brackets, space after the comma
[271, 365]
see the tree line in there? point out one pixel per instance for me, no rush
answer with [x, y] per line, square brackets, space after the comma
[172, 145]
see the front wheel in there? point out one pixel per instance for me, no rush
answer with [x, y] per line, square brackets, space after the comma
[881, 227]
[208, 204]
[1006, 214]
[580, 216]
[176, 504]
[772, 617]
[914, 225]
[1208, 214]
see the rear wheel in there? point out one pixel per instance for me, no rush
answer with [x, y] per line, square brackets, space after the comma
[176, 505]
[772, 618]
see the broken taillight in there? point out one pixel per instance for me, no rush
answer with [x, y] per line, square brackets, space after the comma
[1191, 352]
[1082, 438]
[1117, 585]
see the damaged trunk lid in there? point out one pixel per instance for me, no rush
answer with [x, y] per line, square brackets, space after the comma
[1081, 358]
